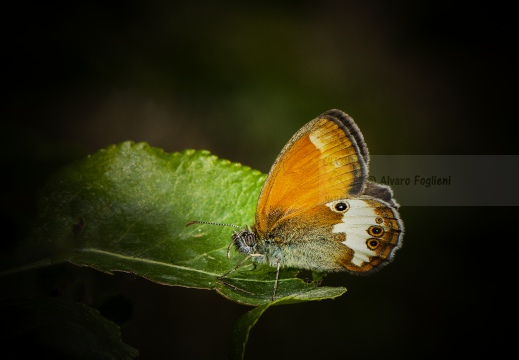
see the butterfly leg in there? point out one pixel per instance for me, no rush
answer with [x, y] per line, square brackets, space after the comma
[277, 278]
[220, 278]
[233, 286]
[235, 268]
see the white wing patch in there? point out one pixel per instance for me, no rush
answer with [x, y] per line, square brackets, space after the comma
[355, 223]
[314, 138]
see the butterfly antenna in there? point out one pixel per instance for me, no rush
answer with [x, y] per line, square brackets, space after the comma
[211, 223]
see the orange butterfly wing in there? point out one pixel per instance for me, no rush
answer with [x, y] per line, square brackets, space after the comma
[325, 160]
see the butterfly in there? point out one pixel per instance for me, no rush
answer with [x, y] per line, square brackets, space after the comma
[317, 209]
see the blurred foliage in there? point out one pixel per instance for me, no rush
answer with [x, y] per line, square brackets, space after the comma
[59, 329]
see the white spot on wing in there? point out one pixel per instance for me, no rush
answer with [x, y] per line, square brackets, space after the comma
[354, 224]
[314, 138]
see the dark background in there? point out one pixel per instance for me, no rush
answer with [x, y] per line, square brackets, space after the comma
[239, 79]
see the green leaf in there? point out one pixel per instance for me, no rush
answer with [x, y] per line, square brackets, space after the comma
[56, 328]
[243, 326]
[126, 207]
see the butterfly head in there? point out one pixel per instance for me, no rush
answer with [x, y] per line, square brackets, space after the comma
[245, 241]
